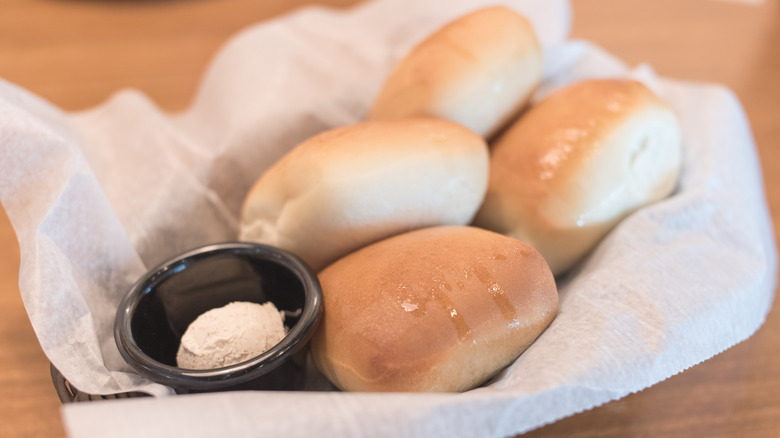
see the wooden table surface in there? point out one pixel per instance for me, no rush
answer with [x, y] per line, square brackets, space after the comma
[76, 53]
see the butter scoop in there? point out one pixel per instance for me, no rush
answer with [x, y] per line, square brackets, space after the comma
[229, 335]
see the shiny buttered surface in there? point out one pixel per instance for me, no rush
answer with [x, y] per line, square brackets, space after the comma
[577, 163]
[478, 70]
[445, 307]
[437, 309]
[352, 186]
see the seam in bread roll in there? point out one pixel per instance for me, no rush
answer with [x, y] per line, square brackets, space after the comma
[577, 163]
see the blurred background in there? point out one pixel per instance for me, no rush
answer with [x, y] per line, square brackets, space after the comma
[77, 53]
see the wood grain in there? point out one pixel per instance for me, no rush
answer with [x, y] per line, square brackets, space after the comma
[77, 53]
[737, 393]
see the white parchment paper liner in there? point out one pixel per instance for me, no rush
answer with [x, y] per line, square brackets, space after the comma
[98, 197]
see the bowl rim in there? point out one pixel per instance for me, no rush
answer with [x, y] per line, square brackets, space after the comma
[183, 378]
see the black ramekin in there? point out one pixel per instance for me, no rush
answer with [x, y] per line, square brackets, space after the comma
[156, 312]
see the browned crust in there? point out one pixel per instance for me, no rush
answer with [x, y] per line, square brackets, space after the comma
[474, 47]
[549, 168]
[439, 309]
[541, 153]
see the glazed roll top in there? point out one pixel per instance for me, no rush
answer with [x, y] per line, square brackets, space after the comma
[478, 70]
[437, 309]
[577, 163]
[352, 186]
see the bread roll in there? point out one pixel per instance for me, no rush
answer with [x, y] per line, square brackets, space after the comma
[352, 186]
[478, 70]
[577, 163]
[437, 309]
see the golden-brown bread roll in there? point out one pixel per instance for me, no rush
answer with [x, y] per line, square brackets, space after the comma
[352, 186]
[437, 309]
[577, 163]
[478, 70]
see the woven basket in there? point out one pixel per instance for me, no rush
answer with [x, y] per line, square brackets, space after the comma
[69, 393]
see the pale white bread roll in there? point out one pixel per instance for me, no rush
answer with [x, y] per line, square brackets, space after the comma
[437, 309]
[352, 186]
[478, 70]
[577, 163]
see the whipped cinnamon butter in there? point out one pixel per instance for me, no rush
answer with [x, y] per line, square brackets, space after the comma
[229, 335]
